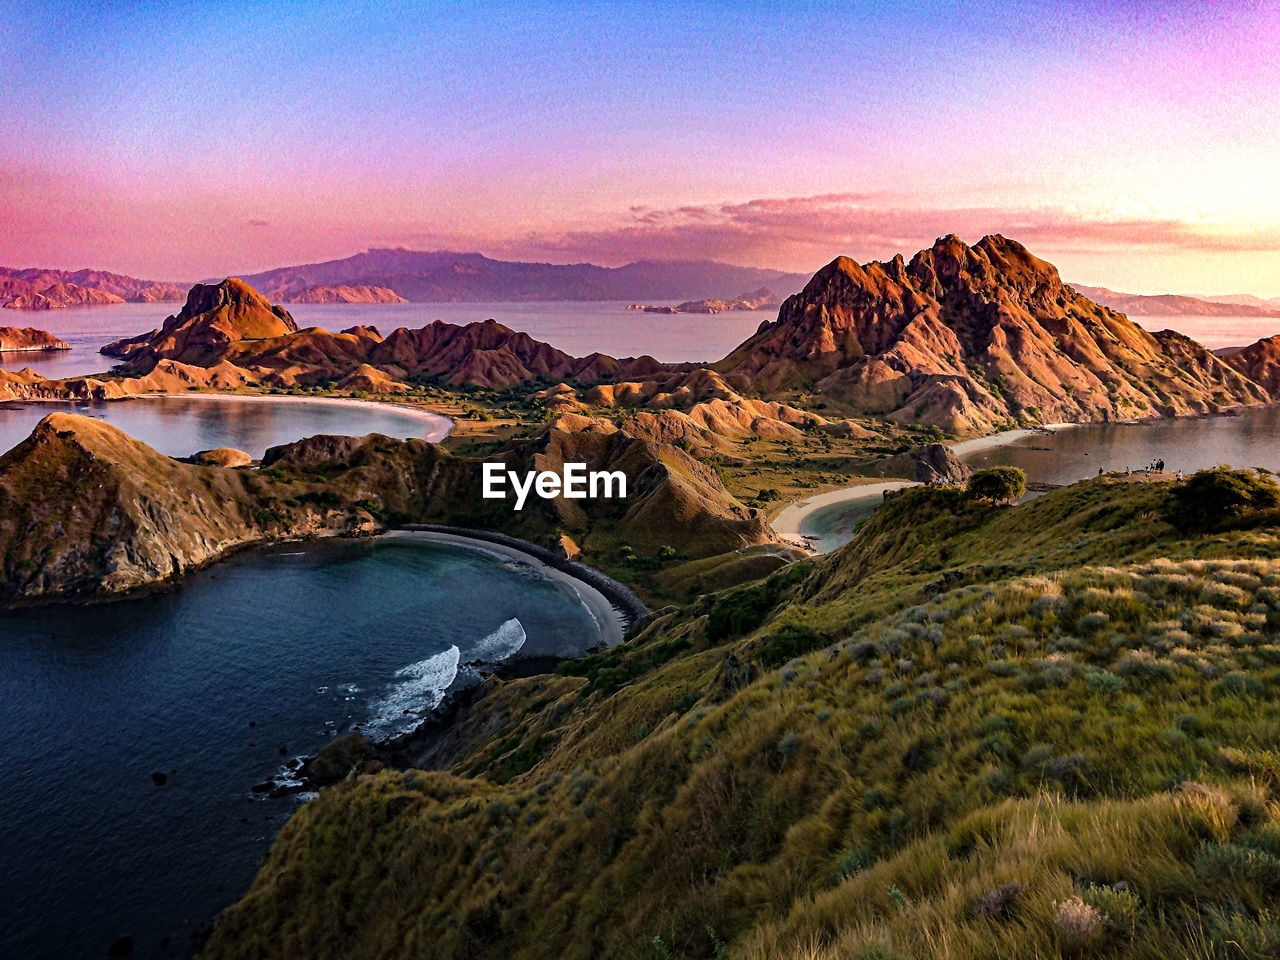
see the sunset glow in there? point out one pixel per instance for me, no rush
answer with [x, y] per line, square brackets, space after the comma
[1136, 148]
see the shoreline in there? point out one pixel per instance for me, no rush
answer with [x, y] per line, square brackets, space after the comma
[612, 605]
[787, 524]
[442, 426]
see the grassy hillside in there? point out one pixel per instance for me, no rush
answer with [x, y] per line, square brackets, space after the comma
[1035, 731]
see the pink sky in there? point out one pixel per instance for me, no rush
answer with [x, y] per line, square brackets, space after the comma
[1135, 149]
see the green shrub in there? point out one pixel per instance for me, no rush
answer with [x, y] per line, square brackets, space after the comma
[997, 484]
[1212, 499]
[786, 643]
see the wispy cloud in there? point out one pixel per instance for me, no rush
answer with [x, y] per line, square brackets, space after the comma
[805, 231]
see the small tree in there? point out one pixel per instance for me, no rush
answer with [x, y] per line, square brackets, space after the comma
[997, 484]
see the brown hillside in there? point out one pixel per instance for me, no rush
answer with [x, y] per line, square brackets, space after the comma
[214, 316]
[970, 338]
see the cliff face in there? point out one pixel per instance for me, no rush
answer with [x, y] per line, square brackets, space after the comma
[969, 338]
[1260, 362]
[85, 509]
[29, 338]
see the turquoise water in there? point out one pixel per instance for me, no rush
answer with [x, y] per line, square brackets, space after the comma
[217, 684]
[829, 528]
[180, 426]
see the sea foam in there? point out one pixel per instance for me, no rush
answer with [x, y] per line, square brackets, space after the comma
[503, 644]
[420, 687]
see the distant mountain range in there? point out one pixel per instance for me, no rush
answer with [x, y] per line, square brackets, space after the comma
[447, 277]
[442, 276]
[1177, 305]
[37, 288]
[1246, 299]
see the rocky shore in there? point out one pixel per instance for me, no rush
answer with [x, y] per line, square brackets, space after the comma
[29, 339]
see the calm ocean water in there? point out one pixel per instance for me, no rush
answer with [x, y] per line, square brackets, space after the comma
[574, 327]
[180, 426]
[302, 644]
[1251, 439]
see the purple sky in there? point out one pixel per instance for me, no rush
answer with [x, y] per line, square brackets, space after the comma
[1135, 148]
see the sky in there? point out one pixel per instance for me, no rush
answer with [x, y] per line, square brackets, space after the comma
[1134, 145]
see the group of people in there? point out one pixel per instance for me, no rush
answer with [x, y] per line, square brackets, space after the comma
[1155, 466]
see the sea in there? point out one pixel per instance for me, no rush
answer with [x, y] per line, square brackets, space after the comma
[578, 328]
[220, 684]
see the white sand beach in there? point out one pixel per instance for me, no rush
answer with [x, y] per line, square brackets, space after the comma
[439, 428]
[787, 524]
[612, 627]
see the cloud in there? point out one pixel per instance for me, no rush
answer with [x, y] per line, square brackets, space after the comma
[802, 232]
[259, 223]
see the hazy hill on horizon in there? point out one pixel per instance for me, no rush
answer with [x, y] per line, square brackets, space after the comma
[1181, 305]
[446, 276]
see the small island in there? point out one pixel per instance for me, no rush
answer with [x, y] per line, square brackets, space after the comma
[13, 339]
[762, 299]
[345, 293]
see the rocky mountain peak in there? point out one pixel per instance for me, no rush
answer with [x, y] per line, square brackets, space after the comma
[971, 338]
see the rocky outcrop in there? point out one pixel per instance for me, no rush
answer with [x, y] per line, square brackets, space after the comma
[971, 339]
[1260, 362]
[29, 339]
[344, 293]
[214, 317]
[126, 347]
[222, 457]
[932, 463]
[85, 509]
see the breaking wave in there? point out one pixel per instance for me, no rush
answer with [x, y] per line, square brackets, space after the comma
[418, 690]
[420, 687]
[503, 644]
